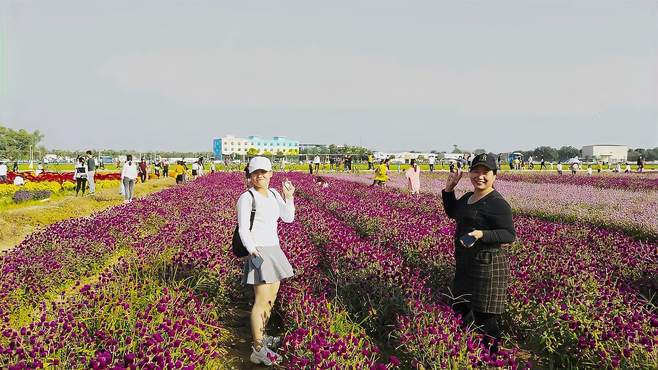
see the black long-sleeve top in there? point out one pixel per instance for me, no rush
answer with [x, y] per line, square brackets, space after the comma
[491, 214]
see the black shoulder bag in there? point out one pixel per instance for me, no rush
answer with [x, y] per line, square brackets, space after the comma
[237, 247]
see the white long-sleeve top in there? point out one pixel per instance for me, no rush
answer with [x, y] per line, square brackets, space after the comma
[268, 211]
[80, 170]
[129, 170]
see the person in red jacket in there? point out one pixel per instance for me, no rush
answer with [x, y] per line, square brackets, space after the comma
[142, 170]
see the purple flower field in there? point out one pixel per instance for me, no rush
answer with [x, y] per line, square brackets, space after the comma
[632, 211]
[152, 282]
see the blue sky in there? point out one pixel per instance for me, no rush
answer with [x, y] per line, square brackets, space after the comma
[171, 75]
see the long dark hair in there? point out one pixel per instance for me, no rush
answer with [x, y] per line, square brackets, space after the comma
[129, 159]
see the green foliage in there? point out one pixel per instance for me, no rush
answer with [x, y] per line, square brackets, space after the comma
[15, 144]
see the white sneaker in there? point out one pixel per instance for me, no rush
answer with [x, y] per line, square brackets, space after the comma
[272, 342]
[265, 356]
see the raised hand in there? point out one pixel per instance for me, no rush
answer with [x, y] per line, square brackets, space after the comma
[453, 180]
[288, 189]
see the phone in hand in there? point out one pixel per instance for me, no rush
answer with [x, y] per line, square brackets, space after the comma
[257, 261]
[467, 240]
[287, 184]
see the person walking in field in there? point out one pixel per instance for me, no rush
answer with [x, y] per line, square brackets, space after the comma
[80, 176]
[195, 170]
[432, 162]
[128, 178]
[413, 177]
[316, 163]
[143, 167]
[91, 172]
[165, 168]
[266, 265]
[559, 168]
[484, 227]
[179, 172]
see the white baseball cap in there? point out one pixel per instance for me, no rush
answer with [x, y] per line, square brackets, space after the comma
[260, 163]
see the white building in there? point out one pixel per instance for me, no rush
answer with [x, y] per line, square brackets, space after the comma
[236, 145]
[605, 153]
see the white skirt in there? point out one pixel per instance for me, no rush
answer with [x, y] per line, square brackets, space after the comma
[275, 267]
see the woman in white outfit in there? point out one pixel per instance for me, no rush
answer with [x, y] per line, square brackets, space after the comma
[128, 178]
[266, 264]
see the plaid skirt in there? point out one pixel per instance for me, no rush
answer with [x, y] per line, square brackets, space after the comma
[482, 277]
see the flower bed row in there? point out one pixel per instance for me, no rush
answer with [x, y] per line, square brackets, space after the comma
[59, 177]
[633, 212]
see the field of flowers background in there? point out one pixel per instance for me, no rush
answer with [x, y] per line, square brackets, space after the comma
[152, 284]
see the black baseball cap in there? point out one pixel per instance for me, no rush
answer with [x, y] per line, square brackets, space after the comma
[486, 160]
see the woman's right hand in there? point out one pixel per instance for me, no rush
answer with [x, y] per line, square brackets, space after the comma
[453, 180]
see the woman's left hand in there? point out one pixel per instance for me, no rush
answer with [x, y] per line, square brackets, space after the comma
[288, 189]
[477, 234]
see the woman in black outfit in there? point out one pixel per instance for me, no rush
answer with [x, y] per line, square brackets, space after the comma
[482, 263]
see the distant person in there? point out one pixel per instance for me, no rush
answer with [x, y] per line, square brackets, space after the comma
[332, 163]
[531, 164]
[617, 167]
[542, 165]
[80, 176]
[381, 173]
[432, 162]
[213, 169]
[179, 172]
[201, 170]
[143, 170]
[15, 167]
[91, 171]
[129, 174]
[316, 163]
[195, 170]
[599, 167]
[559, 168]
[283, 164]
[370, 162]
[589, 170]
[413, 177]
[348, 163]
[165, 168]
[156, 167]
[640, 164]
[451, 166]
[628, 168]
[574, 168]
[3, 172]
[310, 167]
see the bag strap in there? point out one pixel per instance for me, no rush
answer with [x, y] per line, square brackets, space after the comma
[253, 208]
[253, 211]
